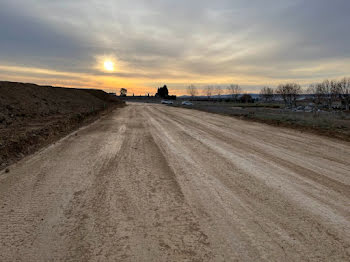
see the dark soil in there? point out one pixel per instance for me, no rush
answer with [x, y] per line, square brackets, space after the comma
[33, 116]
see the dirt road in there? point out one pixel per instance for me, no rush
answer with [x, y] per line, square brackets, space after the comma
[156, 183]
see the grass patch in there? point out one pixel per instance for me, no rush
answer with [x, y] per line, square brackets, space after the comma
[331, 125]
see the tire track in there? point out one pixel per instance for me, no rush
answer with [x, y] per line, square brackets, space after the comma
[156, 183]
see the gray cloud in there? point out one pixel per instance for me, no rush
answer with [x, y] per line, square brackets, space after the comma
[27, 39]
[272, 39]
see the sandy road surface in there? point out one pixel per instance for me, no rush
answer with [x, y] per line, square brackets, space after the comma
[155, 183]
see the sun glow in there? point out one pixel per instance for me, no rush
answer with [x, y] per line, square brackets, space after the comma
[108, 65]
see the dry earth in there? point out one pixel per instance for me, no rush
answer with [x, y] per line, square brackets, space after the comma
[156, 183]
[33, 116]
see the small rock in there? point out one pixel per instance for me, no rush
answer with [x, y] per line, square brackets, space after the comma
[7, 170]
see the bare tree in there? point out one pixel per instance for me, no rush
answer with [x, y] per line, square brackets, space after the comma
[318, 92]
[343, 91]
[208, 91]
[282, 91]
[192, 91]
[218, 90]
[296, 91]
[329, 92]
[325, 93]
[267, 93]
[234, 91]
[289, 93]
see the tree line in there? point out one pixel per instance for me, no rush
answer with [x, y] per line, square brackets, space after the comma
[328, 91]
[234, 90]
[323, 94]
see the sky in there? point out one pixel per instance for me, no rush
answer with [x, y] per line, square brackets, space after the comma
[155, 42]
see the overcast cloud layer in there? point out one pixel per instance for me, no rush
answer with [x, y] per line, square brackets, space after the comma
[175, 42]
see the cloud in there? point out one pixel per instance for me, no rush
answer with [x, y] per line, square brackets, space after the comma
[25, 36]
[178, 42]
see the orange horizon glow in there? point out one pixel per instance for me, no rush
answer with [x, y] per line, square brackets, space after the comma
[136, 86]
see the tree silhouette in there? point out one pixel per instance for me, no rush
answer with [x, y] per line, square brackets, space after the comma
[234, 91]
[208, 91]
[123, 92]
[162, 92]
[289, 93]
[267, 93]
[246, 98]
[192, 91]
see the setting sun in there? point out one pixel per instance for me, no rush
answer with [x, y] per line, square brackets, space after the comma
[109, 66]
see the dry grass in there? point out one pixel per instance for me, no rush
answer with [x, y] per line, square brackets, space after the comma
[332, 124]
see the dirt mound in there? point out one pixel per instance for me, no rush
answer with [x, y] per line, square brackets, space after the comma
[32, 116]
[102, 95]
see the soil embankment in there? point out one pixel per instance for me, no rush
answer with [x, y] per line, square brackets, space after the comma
[33, 116]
